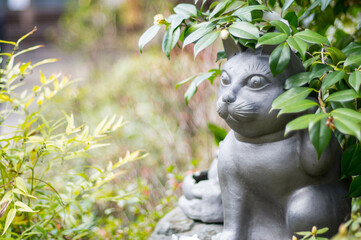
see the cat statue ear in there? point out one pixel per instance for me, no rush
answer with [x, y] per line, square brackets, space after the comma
[232, 48]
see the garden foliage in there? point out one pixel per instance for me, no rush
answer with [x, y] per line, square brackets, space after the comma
[33, 152]
[332, 80]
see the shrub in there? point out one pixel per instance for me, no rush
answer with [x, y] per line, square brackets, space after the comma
[34, 152]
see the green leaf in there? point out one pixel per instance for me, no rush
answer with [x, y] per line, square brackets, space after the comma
[27, 50]
[355, 80]
[281, 26]
[167, 42]
[18, 191]
[244, 30]
[298, 106]
[45, 61]
[280, 58]
[303, 122]
[7, 197]
[287, 4]
[197, 34]
[218, 132]
[148, 36]
[184, 81]
[309, 9]
[297, 80]
[192, 89]
[23, 207]
[292, 95]
[272, 38]
[312, 37]
[216, 72]
[9, 218]
[355, 188]
[351, 164]
[248, 9]
[26, 35]
[233, 7]
[298, 44]
[324, 4]
[186, 9]
[175, 37]
[170, 39]
[353, 60]
[19, 183]
[219, 8]
[309, 62]
[343, 96]
[332, 78]
[348, 126]
[352, 48]
[336, 55]
[319, 70]
[347, 114]
[255, 14]
[205, 42]
[320, 135]
[8, 42]
[221, 55]
[177, 20]
[292, 19]
[322, 230]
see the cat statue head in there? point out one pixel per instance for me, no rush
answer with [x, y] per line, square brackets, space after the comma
[247, 90]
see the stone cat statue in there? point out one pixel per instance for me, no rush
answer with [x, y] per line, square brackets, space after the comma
[271, 185]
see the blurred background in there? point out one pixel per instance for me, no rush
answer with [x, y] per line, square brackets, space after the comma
[96, 42]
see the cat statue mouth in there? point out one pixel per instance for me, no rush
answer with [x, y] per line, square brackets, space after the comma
[238, 112]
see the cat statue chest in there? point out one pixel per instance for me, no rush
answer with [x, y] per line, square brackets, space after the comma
[258, 164]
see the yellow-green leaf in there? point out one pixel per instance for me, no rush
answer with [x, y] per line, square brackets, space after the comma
[42, 77]
[23, 207]
[9, 218]
[19, 183]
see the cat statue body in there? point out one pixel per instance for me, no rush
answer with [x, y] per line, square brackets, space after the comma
[271, 185]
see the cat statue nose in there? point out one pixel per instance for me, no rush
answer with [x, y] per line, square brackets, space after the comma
[229, 98]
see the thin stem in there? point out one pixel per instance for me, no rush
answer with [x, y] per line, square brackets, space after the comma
[3, 180]
[9, 183]
[320, 101]
[322, 56]
[356, 104]
[57, 193]
[322, 105]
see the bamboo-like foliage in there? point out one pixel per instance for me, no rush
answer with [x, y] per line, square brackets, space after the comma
[31, 207]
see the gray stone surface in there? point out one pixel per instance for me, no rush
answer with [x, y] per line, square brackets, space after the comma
[175, 225]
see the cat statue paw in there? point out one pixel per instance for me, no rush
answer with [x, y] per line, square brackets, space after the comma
[201, 198]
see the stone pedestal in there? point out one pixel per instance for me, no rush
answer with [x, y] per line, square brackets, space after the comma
[175, 225]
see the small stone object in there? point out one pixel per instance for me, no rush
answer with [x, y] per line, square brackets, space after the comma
[176, 225]
[201, 198]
